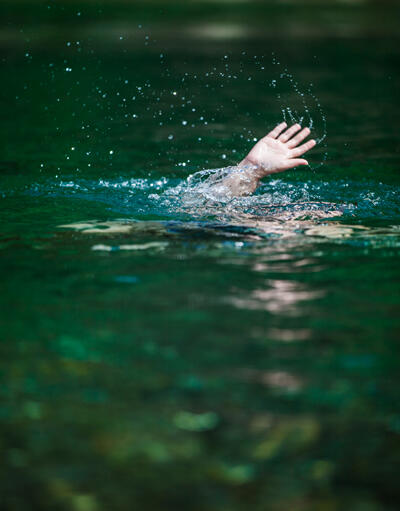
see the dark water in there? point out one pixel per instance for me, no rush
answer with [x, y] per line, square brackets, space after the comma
[161, 349]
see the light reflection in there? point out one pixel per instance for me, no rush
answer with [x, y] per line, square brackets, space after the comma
[335, 231]
[282, 335]
[282, 380]
[291, 266]
[219, 31]
[280, 297]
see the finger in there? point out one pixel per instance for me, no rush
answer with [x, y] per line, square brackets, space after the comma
[299, 138]
[277, 130]
[284, 137]
[295, 162]
[302, 148]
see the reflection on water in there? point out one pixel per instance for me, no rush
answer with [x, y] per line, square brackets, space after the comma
[281, 380]
[278, 297]
[247, 228]
[289, 335]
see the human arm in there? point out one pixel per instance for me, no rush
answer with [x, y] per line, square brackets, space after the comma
[278, 151]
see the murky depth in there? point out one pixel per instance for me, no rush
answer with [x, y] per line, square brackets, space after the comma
[166, 347]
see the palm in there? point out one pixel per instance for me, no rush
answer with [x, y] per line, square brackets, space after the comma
[280, 149]
[269, 152]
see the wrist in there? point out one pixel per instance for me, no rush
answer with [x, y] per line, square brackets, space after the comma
[252, 169]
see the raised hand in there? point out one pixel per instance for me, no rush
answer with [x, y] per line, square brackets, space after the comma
[279, 150]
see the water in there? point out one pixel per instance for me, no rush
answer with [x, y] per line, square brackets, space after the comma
[164, 347]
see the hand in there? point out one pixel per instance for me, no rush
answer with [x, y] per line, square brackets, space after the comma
[279, 150]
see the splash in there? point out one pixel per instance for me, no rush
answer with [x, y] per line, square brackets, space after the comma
[240, 78]
[206, 194]
[201, 196]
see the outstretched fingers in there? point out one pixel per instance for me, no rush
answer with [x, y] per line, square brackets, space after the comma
[301, 149]
[295, 162]
[277, 130]
[285, 136]
[299, 138]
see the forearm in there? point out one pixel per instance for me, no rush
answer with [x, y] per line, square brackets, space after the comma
[243, 179]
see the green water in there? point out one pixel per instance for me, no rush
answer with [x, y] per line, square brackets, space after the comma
[162, 352]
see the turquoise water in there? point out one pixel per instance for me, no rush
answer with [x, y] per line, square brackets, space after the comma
[166, 348]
